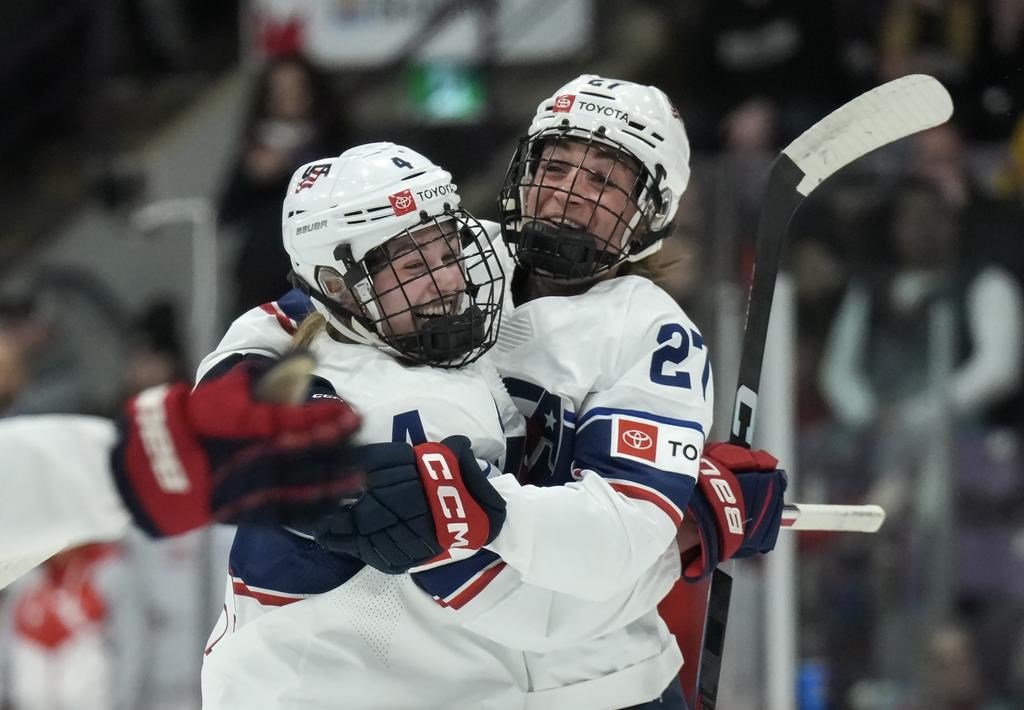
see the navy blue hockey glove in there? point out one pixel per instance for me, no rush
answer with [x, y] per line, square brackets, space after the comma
[187, 458]
[737, 506]
[420, 502]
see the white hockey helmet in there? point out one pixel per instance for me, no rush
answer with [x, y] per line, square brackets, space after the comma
[635, 122]
[339, 215]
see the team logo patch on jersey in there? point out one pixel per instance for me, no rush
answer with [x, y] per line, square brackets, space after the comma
[310, 175]
[664, 446]
[563, 103]
[402, 202]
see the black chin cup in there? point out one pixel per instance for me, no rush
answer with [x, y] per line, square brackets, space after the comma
[445, 338]
[562, 253]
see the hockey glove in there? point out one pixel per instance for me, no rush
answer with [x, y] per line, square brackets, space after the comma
[187, 458]
[737, 506]
[419, 503]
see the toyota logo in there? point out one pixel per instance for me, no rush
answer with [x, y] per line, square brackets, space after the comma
[563, 102]
[636, 439]
[403, 201]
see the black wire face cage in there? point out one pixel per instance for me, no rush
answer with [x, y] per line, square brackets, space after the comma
[574, 204]
[433, 292]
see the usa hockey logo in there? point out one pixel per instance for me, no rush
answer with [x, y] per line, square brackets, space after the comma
[310, 175]
[637, 439]
[563, 103]
[402, 203]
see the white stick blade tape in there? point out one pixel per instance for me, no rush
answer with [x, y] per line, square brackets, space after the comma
[837, 518]
[878, 117]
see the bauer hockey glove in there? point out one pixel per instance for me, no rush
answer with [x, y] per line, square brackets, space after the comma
[420, 502]
[736, 505]
[185, 458]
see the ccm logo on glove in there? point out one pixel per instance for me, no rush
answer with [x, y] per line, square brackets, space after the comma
[438, 470]
[457, 524]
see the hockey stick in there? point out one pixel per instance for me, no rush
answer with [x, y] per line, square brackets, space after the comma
[834, 518]
[873, 119]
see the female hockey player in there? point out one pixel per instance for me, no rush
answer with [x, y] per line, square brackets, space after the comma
[615, 380]
[304, 627]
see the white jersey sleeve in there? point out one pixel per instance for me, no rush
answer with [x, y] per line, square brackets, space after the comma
[493, 599]
[623, 376]
[57, 488]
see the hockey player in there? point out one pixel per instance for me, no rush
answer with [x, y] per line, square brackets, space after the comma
[175, 461]
[614, 377]
[304, 626]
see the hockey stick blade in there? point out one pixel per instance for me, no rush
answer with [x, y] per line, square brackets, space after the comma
[876, 118]
[833, 518]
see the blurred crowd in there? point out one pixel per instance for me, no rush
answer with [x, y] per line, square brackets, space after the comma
[909, 275]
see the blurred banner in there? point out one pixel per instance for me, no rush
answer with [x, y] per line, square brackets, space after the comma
[366, 33]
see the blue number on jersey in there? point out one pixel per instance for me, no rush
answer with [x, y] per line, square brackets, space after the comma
[408, 427]
[673, 352]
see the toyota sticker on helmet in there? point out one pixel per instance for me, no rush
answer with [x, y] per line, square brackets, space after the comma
[664, 446]
[402, 202]
[563, 103]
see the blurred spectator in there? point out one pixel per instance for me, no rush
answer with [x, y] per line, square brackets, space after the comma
[951, 674]
[972, 46]
[775, 54]
[875, 377]
[877, 344]
[293, 119]
[39, 375]
[72, 634]
[154, 354]
[856, 28]
[937, 37]
[173, 572]
[995, 94]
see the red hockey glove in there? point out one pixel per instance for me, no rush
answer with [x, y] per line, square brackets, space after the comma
[419, 503]
[737, 506]
[187, 458]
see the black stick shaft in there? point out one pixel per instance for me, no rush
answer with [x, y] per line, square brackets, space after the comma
[781, 201]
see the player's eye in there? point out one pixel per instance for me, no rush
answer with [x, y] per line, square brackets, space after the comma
[556, 168]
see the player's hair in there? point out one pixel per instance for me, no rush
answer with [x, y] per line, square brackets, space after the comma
[308, 331]
[656, 267]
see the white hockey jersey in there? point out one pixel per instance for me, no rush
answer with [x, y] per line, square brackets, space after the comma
[617, 388]
[542, 625]
[57, 488]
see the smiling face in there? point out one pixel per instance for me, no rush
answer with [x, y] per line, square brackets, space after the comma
[420, 277]
[584, 186]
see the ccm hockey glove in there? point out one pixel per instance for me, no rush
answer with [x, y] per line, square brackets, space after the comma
[420, 502]
[186, 458]
[737, 506]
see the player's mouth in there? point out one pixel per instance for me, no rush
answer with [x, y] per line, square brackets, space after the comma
[437, 308]
[563, 223]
